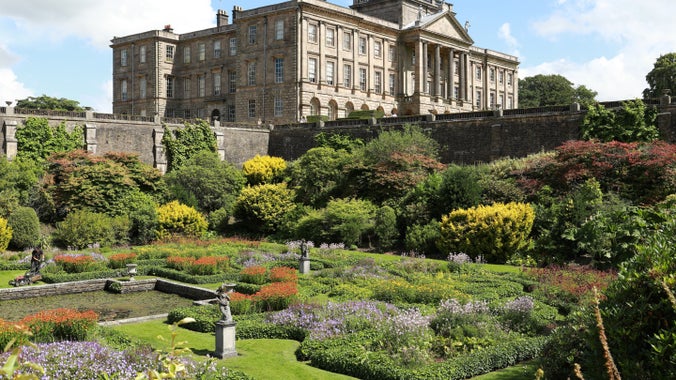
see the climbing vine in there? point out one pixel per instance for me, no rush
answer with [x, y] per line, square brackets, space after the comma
[37, 140]
[183, 143]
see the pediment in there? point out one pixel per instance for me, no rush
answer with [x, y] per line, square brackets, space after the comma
[447, 25]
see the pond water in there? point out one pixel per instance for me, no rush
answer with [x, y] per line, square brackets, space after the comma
[109, 306]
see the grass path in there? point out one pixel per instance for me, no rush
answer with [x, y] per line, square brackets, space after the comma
[260, 358]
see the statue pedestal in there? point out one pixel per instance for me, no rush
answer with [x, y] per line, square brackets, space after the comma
[304, 266]
[225, 340]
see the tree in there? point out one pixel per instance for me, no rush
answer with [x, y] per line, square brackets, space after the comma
[633, 122]
[318, 175]
[662, 77]
[552, 90]
[45, 102]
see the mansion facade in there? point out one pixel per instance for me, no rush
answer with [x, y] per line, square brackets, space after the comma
[284, 62]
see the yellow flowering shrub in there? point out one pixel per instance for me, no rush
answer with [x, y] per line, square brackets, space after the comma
[263, 169]
[5, 234]
[175, 218]
[496, 232]
[263, 207]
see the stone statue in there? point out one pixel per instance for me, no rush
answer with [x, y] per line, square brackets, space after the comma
[223, 297]
[304, 250]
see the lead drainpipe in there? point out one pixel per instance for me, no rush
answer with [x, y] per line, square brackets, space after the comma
[131, 97]
[265, 62]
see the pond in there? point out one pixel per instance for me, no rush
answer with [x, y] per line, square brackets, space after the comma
[109, 306]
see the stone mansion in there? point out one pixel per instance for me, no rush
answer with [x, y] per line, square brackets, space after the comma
[284, 62]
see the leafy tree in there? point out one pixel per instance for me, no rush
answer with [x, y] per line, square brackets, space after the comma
[388, 166]
[342, 220]
[18, 178]
[25, 228]
[37, 140]
[338, 141]
[552, 90]
[318, 175]
[183, 143]
[264, 169]
[143, 218]
[83, 228]
[45, 102]
[662, 77]
[633, 122]
[386, 227]
[459, 188]
[206, 183]
[263, 207]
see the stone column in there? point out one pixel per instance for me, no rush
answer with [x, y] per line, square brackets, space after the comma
[90, 137]
[437, 70]
[220, 144]
[451, 75]
[424, 75]
[11, 143]
[159, 154]
[419, 67]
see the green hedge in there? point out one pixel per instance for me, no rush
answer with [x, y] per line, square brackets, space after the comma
[14, 265]
[367, 114]
[348, 356]
[52, 278]
[316, 118]
[176, 275]
[246, 288]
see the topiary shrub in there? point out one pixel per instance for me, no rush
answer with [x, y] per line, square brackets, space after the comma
[495, 232]
[82, 228]
[175, 218]
[5, 234]
[25, 228]
[264, 169]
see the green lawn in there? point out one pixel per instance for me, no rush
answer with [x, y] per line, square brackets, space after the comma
[523, 371]
[260, 358]
[7, 275]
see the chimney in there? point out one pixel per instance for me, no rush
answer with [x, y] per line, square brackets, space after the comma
[221, 18]
[236, 9]
[168, 28]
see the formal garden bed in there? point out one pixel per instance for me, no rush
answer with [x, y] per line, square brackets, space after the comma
[364, 315]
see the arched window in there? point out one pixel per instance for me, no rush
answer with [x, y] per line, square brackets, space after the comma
[333, 110]
[349, 107]
[364, 107]
[314, 106]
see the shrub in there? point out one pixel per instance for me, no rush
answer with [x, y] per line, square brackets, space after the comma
[15, 331]
[37, 140]
[5, 234]
[75, 263]
[175, 218]
[25, 228]
[120, 260]
[209, 265]
[82, 228]
[184, 143]
[633, 122]
[343, 220]
[263, 207]
[386, 227]
[423, 238]
[495, 232]
[254, 274]
[276, 296]
[141, 209]
[60, 324]
[264, 169]
[366, 114]
[460, 188]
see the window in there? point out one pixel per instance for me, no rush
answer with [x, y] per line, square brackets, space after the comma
[312, 33]
[170, 52]
[509, 79]
[501, 76]
[232, 81]
[362, 79]
[233, 46]
[312, 70]
[252, 107]
[123, 57]
[491, 98]
[279, 70]
[217, 49]
[377, 49]
[378, 82]
[456, 65]
[478, 98]
[393, 81]
[217, 83]
[330, 37]
[491, 74]
[362, 45]
[142, 54]
[391, 53]
[201, 85]
[123, 90]
[170, 87]
[252, 34]
[279, 29]
[347, 76]
[478, 72]
[231, 112]
[347, 41]
[187, 85]
[186, 54]
[329, 72]
[142, 86]
[510, 102]
[251, 74]
[187, 114]
[201, 52]
[279, 105]
[456, 92]
[501, 100]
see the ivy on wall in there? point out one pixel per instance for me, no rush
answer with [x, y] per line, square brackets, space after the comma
[183, 143]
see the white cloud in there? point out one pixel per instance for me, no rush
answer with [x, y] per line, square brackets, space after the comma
[11, 88]
[99, 21]
[631, 34]
[103, 102]
[505, 34]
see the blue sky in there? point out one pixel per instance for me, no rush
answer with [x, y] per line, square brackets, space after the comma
[62, 48]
